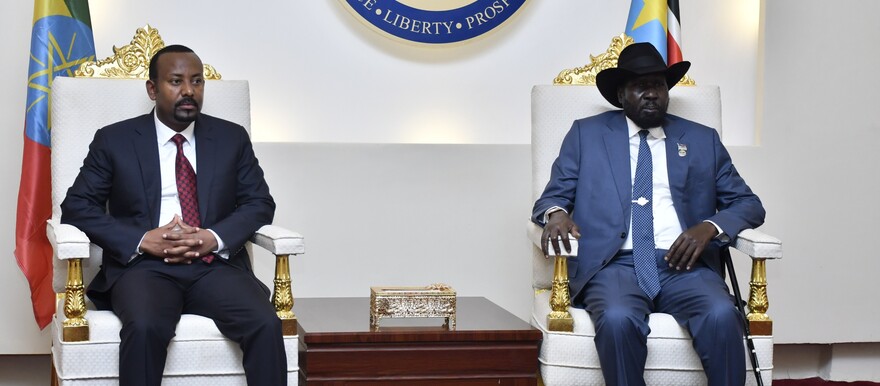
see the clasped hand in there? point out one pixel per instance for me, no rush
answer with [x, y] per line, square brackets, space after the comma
[178, 242]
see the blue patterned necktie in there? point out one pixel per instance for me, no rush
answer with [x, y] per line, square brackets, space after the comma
[643, 221]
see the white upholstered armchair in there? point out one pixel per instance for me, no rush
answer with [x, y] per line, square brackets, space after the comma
[568, 355]
[85, 342]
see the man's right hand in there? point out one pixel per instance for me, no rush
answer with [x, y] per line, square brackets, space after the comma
[559, 226]
[156, 241]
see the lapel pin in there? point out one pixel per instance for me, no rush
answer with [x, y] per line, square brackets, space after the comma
[682, 150]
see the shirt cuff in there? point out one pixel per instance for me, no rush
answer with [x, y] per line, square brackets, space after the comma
[138, 250]
[722, 237]
[551, 210]
[221, 247]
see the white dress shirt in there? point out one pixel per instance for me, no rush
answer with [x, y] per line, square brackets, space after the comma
[666, 225]
[170, 202]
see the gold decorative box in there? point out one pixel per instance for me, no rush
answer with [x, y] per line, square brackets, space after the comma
[433, 301]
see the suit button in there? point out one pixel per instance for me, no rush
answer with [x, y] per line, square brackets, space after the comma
[623, 235]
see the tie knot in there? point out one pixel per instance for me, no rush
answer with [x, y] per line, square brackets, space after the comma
[178, 139]
[642, 133]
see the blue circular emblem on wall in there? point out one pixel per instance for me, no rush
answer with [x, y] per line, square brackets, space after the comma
[435, 21]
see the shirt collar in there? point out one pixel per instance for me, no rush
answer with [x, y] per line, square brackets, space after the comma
[655, 132]
[164, 133]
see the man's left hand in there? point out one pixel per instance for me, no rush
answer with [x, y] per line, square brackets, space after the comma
[200, 241]
[688, 247]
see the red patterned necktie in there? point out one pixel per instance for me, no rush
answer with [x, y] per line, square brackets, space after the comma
[186, 189]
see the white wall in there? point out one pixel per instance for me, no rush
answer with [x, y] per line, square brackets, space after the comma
[414, 214]
[308, 61]
[819, 168]
[345, 102]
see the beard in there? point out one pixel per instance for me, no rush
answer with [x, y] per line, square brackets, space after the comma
[183, 115]
[646, 115]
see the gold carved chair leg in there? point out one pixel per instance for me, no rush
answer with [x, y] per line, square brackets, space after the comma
[560, 319]
[76, 327]
[759, 322]
[282, 296]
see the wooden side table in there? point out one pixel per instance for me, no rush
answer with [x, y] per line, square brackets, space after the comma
[489, 346]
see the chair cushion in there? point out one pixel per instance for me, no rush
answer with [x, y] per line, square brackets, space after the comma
[571, 358]
[197, 351]
[279, 241]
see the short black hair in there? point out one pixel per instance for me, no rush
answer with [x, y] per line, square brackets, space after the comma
[167, 49]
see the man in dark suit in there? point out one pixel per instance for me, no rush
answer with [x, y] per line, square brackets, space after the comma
[654, 200]
[171, 197]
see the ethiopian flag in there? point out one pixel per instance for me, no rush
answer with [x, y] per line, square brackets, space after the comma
[61, 40]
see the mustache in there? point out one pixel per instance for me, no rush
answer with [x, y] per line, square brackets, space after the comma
[187, 100]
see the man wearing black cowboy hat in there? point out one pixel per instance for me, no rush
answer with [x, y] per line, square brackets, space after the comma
[654, 200]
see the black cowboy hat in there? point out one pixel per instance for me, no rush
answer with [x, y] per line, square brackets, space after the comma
[635, 60]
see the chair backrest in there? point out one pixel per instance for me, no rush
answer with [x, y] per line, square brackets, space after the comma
[554, 108]
[81, 106]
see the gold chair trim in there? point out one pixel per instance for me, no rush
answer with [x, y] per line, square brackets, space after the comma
[586, 75]
[132, 61]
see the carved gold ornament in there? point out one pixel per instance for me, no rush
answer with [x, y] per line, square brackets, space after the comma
[586, 75]
[433, 301]
[759, 322]
[75, 327]
[133, 60]
[282, 296]
[560, 319]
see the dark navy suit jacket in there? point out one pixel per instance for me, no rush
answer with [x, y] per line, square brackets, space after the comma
[116, 196]
[591, 179]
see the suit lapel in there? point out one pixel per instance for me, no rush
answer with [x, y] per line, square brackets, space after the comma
[147, 154]
[676, 161]
[206, 149]
[617, 146]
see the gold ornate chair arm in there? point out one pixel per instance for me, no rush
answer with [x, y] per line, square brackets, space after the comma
[759, 322]
[560, 319]
[71, 244]
[282, 295]
[75, 325]
[760, 247]
[282, 243]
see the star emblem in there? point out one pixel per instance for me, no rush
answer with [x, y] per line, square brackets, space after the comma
[652, 10]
